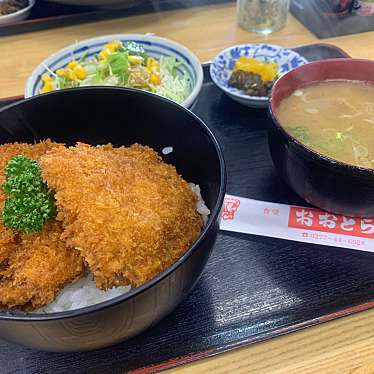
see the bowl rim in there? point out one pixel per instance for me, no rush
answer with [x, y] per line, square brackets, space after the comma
[18, 13]
[214, 215]
[263, 99]
[312, 154]
[195, 62]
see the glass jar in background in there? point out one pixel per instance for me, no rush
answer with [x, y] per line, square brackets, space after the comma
[262, 16]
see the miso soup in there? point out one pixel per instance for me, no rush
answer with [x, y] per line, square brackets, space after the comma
[334, 118]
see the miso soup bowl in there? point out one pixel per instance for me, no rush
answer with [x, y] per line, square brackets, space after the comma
[324, 182]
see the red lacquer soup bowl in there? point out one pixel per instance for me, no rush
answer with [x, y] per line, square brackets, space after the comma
[322, 181]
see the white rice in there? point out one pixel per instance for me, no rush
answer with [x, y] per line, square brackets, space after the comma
[167, 150]
[80, 294]
[201, 208]
[84, 292]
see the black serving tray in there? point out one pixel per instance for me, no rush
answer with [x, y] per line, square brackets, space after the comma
[324, 23]
[253, 288]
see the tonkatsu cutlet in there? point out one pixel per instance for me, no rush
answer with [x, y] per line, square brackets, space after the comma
[130, 214]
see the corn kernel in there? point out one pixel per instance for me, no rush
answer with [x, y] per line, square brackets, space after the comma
[72, 64]
[104, 54]
[70, 74]
[155, 79]
[61, 72]
[46, 78]
[110, 48]
[48, 87]
[151, 62]
[113, 46]
[80, 72]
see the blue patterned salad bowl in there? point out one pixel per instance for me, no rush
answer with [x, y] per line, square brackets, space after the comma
[188, 65]
[223, 65]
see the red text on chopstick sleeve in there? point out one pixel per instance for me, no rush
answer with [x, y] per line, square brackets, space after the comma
[317, 220]
[230, 207]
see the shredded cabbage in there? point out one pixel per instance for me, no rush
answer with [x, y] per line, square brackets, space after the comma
[173, 86]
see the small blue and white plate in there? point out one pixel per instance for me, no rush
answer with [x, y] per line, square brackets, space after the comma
[223, 65]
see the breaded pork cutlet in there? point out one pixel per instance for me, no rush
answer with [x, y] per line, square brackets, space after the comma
[33, 267]
[130, 215]
[7, 242]
[38, 267]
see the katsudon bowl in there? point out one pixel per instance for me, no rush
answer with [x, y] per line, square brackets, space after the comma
[325, 182]
[99, 115]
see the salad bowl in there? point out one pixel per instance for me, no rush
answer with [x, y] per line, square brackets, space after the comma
[187, 64]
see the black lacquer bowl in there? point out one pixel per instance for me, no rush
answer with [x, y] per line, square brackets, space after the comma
[326, 183]
[120, 116]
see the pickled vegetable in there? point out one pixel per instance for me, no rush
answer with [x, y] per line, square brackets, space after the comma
[268, 71]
